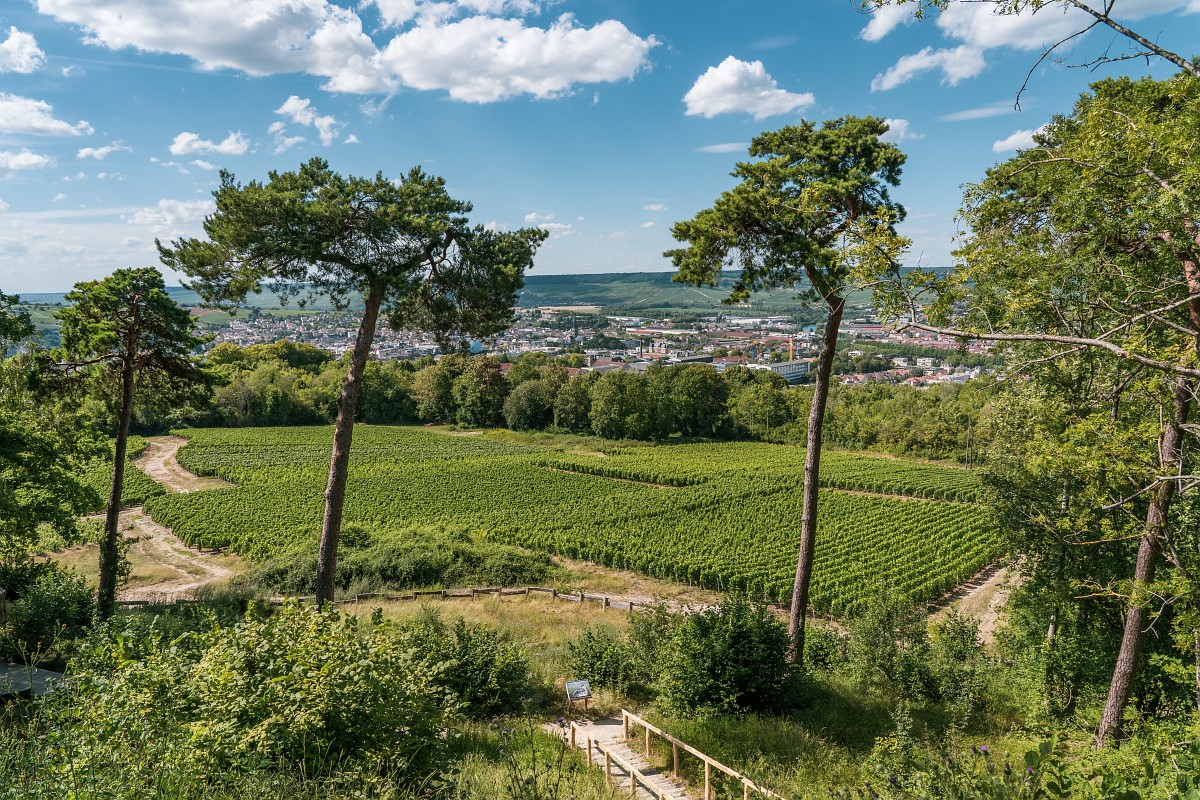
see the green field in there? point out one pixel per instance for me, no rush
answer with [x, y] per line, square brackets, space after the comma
[723, 516]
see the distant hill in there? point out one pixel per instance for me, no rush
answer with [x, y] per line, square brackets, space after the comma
[638, 293]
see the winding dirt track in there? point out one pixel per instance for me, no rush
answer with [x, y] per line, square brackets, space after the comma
[178, 571]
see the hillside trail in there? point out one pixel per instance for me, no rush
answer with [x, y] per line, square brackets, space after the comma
[177, 571]
[983, 598]
[610, 734]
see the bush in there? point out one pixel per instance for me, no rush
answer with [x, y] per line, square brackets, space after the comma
[728, 659]
[485, 671]
[44, 603]
[377, 560]
[303, 691]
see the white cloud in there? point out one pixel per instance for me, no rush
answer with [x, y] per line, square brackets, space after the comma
[58, 198]
[735, 86]
[533, 216]
[13, 161]
[495, 226]
[187, 143]
[898, 132]
[24, 115]
[481, 58]
[556, 229]
[131, 241]
[110, 176]
[655, 207]
[200, 163]
[4, 206]
[352, 139]
[20, 53]
[101, 153]
[997, 109]
[173, 212]
[301, 112]
[1017, 140]
[649, 224]
[884, 20]
[71, 70]
[956, 64]
[485, 59]
[727, 147]
[978, 28]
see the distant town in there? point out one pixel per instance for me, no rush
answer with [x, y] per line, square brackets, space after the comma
[605, 343]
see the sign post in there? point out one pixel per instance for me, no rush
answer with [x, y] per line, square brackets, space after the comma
[578, 690]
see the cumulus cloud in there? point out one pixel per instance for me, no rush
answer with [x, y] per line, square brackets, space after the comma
[485, 59]
[173, 212]
[301, 112]
[15, 160]
[735, 86]
[656, 207]
[101, 153]
[202, 164]
[898, 132]
[482, 57]
[956, 64]
[58, 198]
[1017, 140]
[884, 20]
[24, 115]
[978, 28]
[20, 53]
[649, 224]
[535, 217]
[727, 147]
[188, 143]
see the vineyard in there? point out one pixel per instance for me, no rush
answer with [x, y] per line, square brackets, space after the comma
[723, 516]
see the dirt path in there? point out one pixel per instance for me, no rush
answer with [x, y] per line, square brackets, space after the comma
[159, 462]
[163, 568]
[983, 597]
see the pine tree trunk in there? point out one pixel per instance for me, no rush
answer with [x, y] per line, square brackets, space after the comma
[1170, 461]
[339, 463]
[110, 551]
[812, 465]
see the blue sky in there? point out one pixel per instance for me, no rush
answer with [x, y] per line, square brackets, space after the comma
[603, 122]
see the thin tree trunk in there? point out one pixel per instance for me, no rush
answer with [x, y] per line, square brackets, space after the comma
[812, 466]
[339, 463]
[110, 552]
[1196, 639]
[1170, 462]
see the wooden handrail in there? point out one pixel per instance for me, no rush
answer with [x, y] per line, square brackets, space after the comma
[710, 763]
[635, 774]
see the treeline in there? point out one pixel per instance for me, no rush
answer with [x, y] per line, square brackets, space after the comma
[297, 384]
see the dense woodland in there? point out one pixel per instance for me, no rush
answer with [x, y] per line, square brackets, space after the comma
[1081, 263]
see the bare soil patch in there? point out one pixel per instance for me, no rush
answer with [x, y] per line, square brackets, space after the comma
[159, 461]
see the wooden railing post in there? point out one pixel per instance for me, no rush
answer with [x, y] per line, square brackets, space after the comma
[707, 781]
[625, 723]
[745, 791]
[647, 743]
[572, 735]
[675, 760]
[607, 768]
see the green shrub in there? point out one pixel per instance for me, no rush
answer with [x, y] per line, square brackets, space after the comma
[728, 659]
[376, 560]
[44, 604]
[305, 691]
[486, 672]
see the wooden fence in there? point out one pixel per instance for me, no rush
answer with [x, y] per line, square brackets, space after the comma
[636, 776]
[443, 594]
[710, 764]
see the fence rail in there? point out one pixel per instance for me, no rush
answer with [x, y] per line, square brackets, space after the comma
[443, 594]
[710, 763]
[636, 775]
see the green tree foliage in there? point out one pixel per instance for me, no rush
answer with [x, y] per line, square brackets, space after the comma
[405, 247]
[479, 394]
[1084, 256]
[128, 324]
[573, 405]
[813, 211]
[621, 407]
[530, 406]
[15, 322]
